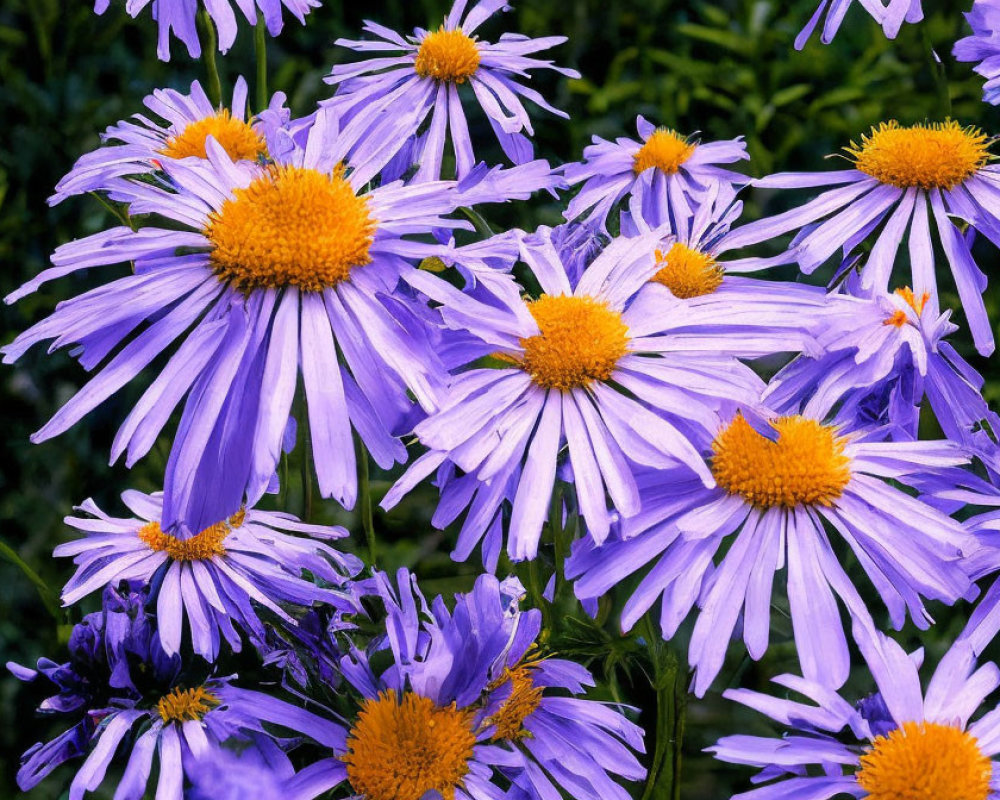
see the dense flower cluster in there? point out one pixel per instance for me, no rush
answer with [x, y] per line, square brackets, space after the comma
[623, 405]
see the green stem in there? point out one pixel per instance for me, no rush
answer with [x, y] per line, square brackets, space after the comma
[48, 596]
[663, 780]
[260, 49]
[367, 513]
[208, 48]
[482, 226]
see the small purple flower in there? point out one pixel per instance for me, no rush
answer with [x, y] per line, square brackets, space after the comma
[419, 76]
[903, 741]
[890, 14]
[983, 46]
[781, 490]
[179, 16]
[139, 147]
[559, 365]
[456, 703]
[666, 173]
[899, 172]
[214, 578]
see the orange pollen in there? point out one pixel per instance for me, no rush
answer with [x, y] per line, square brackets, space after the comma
[805, 466]
[899, 318]
[580, 340]
[237, 138]
[206, 544]
[186, 705]
[449, 56]
[925, 761]
[938, 155]
[664, 149]
[524, 699]
[687, 272]
[403, 749]
[292, 226]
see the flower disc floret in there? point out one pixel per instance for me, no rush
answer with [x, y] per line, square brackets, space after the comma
[937, 155]
[292, 226]
[524, 699]
[240, 141]
[687, 272]
[580, 340]
[806, 465]
[186, 705]
[204, 545]
[923, 760]
[665, 149]
[449, 56]
[403, 749]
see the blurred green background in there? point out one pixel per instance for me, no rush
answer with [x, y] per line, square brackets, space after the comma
[725, 68]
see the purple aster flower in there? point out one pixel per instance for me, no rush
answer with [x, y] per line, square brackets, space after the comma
[902, 742]
[559, 365]
[423, 74]
[179, 16]
[884, 355]
[983, 46]
[138, 148]
[890, 14]
[665, 172]
[781, 490]
[239, 277]
[463, 702]
[898, 173]
[156, 711]
[214, 578]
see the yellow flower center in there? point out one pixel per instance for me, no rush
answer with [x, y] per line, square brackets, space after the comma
[292, 226]
[185, 705]
[938, 155]
[688, 272]
[581, 340]
[898, 318]
[805, 466]
[524, 699]
[237, 138]
[204, 545]
[665, 149]
[401, 750]
[925, 761]
[447, 56]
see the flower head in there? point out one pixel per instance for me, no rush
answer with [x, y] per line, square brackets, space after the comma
[452, 702]
[215, 579]
[900, 743]
[663, 174]
[899, 171]
[559, 363]
[426, 77]
[782, 488]
[179, 18]
[185, 122]
[983, 46]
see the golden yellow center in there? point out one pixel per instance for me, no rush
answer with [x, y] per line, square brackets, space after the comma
[292, 226]
[185, 705]
[898, 318]
[925, 761]
[237, 138]
[447, 56]
[204, 545]
[580, 340]
[806, 465]
[938, 155]
[687, 272]
[664, 149]
[403, 749]
[524, 699]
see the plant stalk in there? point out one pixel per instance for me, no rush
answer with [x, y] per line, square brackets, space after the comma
[209, 45]
[260, 49]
